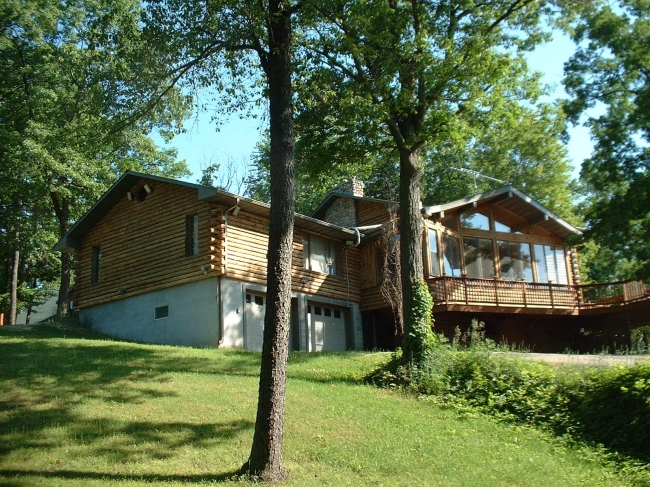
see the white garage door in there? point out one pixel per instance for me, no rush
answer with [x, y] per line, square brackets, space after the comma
[327, 328]
[254, 309]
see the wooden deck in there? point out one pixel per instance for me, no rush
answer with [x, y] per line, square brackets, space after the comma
[520, 294]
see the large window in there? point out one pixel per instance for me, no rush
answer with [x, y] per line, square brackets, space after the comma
[434, 263]
[479, 257]
[95, 264]
[191, 235]
[551, 264]
[451, 255]
[515, 261]
[321, 254]
[476, 221]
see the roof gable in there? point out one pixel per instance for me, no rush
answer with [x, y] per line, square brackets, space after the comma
[514, 201]
[72, 239]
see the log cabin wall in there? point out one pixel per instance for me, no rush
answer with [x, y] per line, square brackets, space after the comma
[143, 245]
[372, 213]
[371, 294]
[245, 248]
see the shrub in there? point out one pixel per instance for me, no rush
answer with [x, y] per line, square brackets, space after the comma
[608, 406]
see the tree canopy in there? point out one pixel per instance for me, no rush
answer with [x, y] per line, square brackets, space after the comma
[608, 79]
[409, 75]
[72, 79]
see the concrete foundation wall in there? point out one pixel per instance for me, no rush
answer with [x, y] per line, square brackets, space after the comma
[193, 318]
[194, 311]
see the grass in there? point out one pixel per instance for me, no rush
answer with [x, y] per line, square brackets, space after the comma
[94, 412]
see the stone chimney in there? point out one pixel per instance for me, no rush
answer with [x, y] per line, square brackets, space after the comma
[343, 211]
[352, 186]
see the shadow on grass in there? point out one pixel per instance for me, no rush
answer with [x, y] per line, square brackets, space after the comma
[42, 383]
[75, 475]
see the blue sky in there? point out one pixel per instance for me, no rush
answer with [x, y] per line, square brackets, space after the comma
[236, 138]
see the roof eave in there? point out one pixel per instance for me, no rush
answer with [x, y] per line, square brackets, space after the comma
[431, 210]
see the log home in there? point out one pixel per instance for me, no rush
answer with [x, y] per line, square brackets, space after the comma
[165, 261]
[501, 258]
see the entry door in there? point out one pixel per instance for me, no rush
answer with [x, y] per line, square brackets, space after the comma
[254, 310]
[327, 328]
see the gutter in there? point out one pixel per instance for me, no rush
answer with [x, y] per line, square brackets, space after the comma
[358, 230]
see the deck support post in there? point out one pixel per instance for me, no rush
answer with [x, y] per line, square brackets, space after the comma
[465, 288]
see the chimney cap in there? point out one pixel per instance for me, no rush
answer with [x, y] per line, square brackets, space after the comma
[351, 186]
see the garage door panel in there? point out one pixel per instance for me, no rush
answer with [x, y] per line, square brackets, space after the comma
[327, 327]
[254, 310]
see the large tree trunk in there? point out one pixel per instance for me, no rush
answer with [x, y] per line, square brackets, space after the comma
[265, 460]
[62, 211]
[13, 305]
[410, 234]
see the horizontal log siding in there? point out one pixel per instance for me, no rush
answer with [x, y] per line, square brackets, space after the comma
[371, 213]
[246, 240]
[143, 245]
[372, 298]
[368, 265]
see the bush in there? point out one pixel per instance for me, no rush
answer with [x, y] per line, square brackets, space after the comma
[608, 406]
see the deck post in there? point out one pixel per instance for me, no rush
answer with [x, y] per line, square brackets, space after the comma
[444, 289]
[523, 285]
[625, 292]
[465, 288]
[550, 292]
[496, 291]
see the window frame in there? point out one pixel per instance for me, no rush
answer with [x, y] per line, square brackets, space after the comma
[479, 244]
[332, 254]
[191, 235]
[95, 264]
[434, 254]
[508, 246]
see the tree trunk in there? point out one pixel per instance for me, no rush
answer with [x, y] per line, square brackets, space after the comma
[62, 211]
[13, 306]
[410, 234]
[265, 461]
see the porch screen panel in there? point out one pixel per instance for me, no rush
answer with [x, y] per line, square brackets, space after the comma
[515, 261]
[549, 262]
[451, 255]
[479, 257]
[551, 265]
[433, 253]
[560, 265]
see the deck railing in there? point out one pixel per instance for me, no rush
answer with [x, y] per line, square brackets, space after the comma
[495, 292]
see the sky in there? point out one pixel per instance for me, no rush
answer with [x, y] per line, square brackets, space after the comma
[236, 138]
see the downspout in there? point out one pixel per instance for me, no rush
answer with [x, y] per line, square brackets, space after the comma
[220, 311]
[357, 231]
[349, 243]
[235, 209]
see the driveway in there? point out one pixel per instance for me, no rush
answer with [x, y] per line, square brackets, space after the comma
[596, 360]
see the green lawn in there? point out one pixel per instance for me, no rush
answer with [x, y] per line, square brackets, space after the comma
[79, 411]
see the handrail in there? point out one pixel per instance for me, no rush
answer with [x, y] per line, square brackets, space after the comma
[469, 290]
